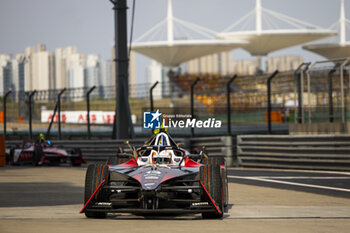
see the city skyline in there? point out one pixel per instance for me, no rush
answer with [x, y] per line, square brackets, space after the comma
[91, 28]
[41, 70]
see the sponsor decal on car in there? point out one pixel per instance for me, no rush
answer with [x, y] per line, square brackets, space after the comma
[149, 184]
[199, 203]
[151, 177]
[153, 172]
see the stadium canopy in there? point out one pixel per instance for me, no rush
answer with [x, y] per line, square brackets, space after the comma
[334, 50]
[182, 45]
[281, 31]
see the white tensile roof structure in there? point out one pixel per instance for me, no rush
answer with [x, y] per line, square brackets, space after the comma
[171, 51]
[264, 41]
[334, 50]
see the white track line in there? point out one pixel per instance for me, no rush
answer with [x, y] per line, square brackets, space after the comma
[302, 177]
[290, 183]
[289, 170]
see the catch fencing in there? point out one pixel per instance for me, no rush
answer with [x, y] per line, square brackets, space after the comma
[315, 93]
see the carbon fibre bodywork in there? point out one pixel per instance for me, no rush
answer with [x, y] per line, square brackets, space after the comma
[186, 187]
[42, 153]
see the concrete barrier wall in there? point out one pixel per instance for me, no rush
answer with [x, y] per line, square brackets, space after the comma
[101, 150]
[325, 152]
[320, 128]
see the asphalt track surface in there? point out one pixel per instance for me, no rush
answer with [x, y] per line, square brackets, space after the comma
[48, 199]
[318, 182]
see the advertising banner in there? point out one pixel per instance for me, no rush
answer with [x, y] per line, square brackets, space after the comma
[79, 117]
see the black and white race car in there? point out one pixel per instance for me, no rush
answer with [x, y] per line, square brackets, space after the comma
[158, 178]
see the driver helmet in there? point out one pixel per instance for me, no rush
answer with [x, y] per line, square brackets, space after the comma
[162, 157]
[41, 137]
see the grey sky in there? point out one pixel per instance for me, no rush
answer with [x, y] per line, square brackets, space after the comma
[88, 24]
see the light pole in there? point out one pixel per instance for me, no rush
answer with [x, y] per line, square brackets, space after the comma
[124, 127]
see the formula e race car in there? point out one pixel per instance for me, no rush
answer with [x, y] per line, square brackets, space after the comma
[43, 153]
[157, 178]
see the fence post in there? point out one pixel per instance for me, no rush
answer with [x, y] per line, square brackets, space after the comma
[88, 109]
[192, 102]
[51, 121]
[342, 88]
[298, 85]
[269, 100]
[330, 93]
[59, 112]
[5, 99]
[151, 95]
[30, 113]
[228, 102]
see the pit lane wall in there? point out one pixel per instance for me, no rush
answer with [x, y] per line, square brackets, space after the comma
[322, 152]
[320, 128]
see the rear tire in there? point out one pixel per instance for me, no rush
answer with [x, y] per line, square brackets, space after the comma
[75, 151]
[10, 158]
[37, 154]
[95, 174]
[210, 176]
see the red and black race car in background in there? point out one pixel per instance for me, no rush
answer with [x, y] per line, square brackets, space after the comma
[43, 153]
[158, 178]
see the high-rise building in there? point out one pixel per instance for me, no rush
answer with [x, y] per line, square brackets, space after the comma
[39, 69]
[43, 69]
[18, 75]
[154, 74]
[284, 63]
[75, 71]
[218, 63]
[92, 71]
[62, 58]
[7, 77]
[28, 68]
[5, 73]
[221, 63]
[244, 67]
[106, 79]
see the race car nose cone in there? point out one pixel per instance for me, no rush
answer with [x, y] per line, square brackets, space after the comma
[150, 180]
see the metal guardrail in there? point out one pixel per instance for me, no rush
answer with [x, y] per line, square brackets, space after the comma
[92, 150]
[322, 152]
[101, 150]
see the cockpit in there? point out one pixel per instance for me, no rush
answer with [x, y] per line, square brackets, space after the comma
[160, 149]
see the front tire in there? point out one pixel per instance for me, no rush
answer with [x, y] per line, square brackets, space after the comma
[211, 178]
[95, 174]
